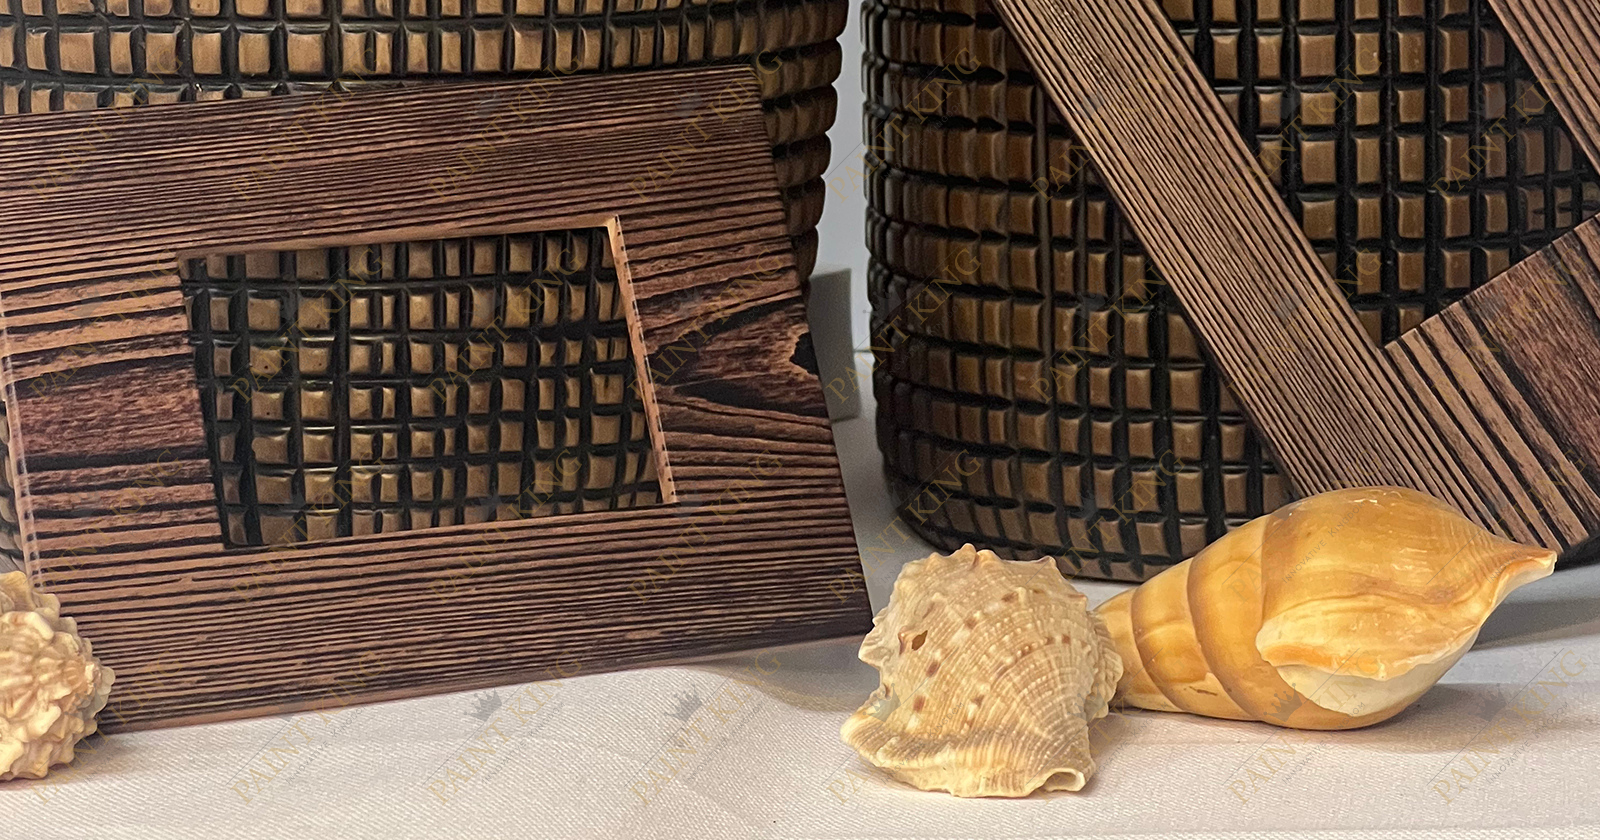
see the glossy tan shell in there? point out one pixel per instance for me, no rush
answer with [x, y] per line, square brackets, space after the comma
[990, 672]
[1334, 612]
[51, 686]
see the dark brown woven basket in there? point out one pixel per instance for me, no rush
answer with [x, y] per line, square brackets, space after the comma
[81, 54]
[1408, 136]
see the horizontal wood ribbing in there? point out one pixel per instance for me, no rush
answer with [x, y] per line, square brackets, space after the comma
[142, 136]
[792, 498]
[472, 602]
[583, 539]
[665, 272]
[1335, 410]
[497, 600]
[343, 603]
[73, 355]
[222, 145]
[133, 712]
[557, 201]
[120, 476]
[270, 644]
[141, 534]
[471, 662]
[154, 306]
[692, 204]
[87, 334]
[1560, 39]
[102, 299]
[255, 220]
[162, 414]
[669, 527]
[468, 642]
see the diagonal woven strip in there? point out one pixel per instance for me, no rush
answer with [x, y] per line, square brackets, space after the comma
[1561, 39]
[1338, 410]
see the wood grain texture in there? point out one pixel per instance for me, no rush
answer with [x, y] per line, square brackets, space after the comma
[1384, 194]
[1338, 410]
[1560, 39]
[1268, 310]
[114, 488]
[1510, 363]
[230, 53]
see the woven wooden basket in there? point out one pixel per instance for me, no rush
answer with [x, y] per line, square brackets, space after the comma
[1039, 388]
[80, 54]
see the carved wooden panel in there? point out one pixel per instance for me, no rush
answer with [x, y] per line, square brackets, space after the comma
[1562, 39]
[228, 228]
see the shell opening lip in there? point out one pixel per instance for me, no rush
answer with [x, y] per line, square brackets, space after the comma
[1064, 779]
[1538, 565]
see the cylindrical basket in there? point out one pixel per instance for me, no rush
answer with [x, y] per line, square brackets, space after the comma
[1039, 389]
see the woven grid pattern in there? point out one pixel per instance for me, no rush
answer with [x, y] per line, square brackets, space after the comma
[172, 49]
[360, 390]
[1039, 389]
[1419, 152]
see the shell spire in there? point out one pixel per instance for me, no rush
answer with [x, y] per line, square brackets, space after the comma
[990, 673]
[1334, 612]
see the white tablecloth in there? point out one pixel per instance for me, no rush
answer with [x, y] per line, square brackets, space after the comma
[749, 747]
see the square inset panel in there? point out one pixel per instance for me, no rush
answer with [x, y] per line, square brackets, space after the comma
[409, 385]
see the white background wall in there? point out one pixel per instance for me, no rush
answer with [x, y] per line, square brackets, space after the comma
[842, 233]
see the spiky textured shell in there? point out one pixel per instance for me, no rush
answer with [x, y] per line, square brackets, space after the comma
[990, 673]
[51, 686]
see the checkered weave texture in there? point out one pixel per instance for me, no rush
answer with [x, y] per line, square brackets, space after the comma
[352, 391]
[1039, 388]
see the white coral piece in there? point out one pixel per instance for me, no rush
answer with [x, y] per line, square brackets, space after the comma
[51, 686]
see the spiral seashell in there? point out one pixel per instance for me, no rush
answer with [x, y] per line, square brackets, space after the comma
[1334, 612]
[990, 673]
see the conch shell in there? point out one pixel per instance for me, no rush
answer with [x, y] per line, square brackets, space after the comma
[1334, 612]
[990, 672]
[51, 686]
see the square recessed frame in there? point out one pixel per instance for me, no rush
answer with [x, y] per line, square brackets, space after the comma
[351, 391]
[751, 545]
